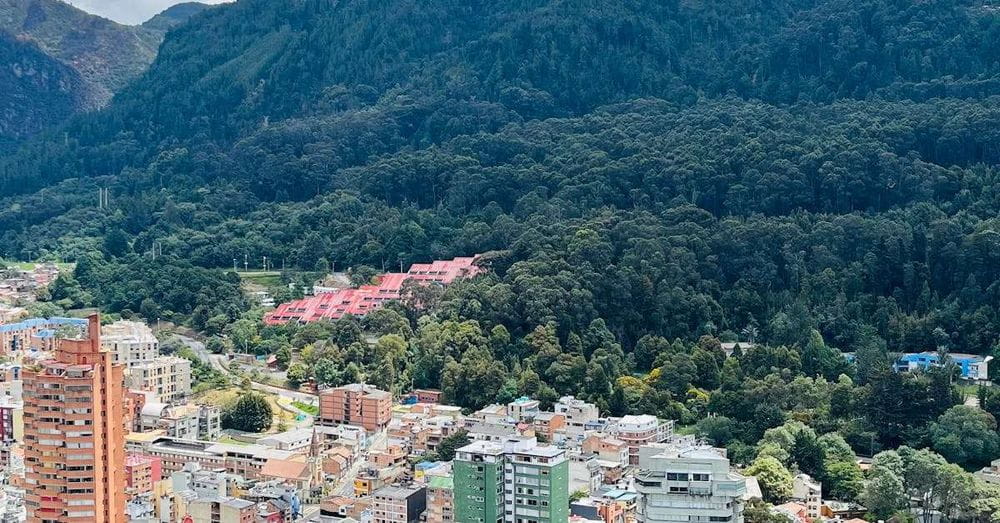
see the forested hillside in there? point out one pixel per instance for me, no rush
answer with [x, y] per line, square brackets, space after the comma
[667, 168]
[88, 59]
[37, 89]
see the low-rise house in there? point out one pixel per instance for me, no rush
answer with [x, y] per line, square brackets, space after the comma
[796, 512]
[291, 440]
[427, 395]
[337, 461]
[606, 447]
[393, 455]
[297, 473]
[549, 424]
[599, 508]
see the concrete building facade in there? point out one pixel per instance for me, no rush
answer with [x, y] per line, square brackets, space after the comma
[129, 342]
[578, 414]
[687, 485]
[398, 504]
[168, 378]
[638, 431]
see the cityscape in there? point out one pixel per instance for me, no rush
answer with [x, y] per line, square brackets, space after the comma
[499, 261]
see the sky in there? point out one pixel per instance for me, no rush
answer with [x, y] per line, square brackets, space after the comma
[130, 11]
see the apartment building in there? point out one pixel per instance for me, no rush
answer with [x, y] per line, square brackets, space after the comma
[356, 404]
[809, 493]
[440, 499]
[523, 409]
[141, 474]
[398, 504]
[167, 378]
[37, 333]
[190, 422]
[74, 433]
[578, 415]
[687, 484]
[638, 431]
[514, 481]
[130, 342]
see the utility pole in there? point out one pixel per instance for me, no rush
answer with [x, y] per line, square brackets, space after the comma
[246, 263]
[265, 264]
[234, 266]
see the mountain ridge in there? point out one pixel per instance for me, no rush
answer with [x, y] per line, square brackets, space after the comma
[106, 55]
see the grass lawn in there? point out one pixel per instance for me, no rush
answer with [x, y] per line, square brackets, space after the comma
[312, 410]
[264, 279]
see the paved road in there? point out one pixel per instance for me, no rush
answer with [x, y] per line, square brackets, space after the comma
[218, 361]
[345, 486]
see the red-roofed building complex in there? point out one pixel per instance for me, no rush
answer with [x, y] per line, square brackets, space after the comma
[367, 298]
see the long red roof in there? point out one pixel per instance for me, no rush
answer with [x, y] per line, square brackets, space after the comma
[364, 299]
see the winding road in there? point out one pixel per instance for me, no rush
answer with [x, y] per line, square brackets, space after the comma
[219, 363]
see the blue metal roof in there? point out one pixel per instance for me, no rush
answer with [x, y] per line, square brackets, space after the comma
[42, 322]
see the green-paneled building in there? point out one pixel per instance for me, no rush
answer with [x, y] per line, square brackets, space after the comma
[514, 481]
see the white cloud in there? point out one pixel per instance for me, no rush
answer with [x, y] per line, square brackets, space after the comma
[130, 11]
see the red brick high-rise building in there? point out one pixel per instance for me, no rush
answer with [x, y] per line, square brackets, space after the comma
[74, 437]
[356, 404]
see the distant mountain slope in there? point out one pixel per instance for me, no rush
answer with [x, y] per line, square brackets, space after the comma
[104, 55]
[174, 16]
[36, 89]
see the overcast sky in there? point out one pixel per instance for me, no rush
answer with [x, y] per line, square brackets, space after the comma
[130, 11]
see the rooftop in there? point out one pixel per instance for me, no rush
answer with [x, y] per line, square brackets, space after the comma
[396, 492]
[284, 469]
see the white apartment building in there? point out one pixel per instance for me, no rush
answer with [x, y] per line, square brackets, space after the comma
[690, 484]
[182, 421]
[168, 378]
[578, 414]
[809, 492]
[523, 409]
[638, 431]
[131, 342]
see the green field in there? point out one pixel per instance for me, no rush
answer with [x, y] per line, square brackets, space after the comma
[312, 410]
[265, 279]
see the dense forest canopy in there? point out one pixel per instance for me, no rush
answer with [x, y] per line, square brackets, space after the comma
[673, 168]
